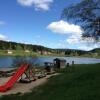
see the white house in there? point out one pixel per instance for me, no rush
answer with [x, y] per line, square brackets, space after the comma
[27, 51]
[9, 52]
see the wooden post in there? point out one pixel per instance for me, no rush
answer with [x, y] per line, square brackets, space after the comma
[67, 64]
[72, 63]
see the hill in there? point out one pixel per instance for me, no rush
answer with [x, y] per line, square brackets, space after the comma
[19, 48]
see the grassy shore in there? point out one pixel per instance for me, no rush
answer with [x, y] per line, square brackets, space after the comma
[34, 54]
[18, 53]
[80, 82]
[23, 53]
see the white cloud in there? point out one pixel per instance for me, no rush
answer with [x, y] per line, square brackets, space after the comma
[73, 36]
[63, 27]
[87, 48]
[76, 44]
[2, 23]
[38, 4]
[74, 39]
[83, 44]
[3, 37]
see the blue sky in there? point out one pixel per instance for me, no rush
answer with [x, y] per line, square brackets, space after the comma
[39, 22]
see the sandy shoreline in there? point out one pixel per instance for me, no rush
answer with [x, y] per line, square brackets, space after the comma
[24, 88]
[6, 69]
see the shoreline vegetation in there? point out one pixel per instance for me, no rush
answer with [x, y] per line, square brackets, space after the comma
[19, 49]
[78, 82]
[34, 54]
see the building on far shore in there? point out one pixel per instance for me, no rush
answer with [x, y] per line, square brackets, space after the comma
[9, 51]
[27, 51]
[96, 54]
[44, 52]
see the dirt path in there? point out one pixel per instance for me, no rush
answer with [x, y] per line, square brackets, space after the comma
[23, 88]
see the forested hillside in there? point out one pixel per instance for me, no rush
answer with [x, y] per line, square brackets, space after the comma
[13, 46]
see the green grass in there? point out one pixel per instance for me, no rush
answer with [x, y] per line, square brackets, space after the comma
[80, 82]
[35, 54]
[23, 53]
[18, 53]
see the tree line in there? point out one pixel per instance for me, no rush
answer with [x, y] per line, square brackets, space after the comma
[4, 45]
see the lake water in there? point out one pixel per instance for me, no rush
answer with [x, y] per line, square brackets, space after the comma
[8, 61]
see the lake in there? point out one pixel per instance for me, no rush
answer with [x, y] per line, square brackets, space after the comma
[8, 61]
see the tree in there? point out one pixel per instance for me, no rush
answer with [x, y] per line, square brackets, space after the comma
[18, 47]
[87, 15]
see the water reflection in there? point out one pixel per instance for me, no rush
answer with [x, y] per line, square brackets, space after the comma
[9, 61]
